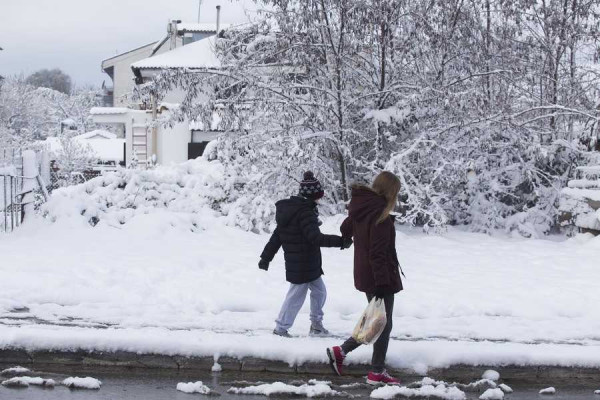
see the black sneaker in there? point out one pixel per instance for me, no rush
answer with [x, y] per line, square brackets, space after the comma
[284, 334]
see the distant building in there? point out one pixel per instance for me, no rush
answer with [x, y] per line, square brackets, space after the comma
[118, 67]
[186, 45]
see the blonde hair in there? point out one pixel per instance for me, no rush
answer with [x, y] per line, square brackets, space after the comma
[386, 185]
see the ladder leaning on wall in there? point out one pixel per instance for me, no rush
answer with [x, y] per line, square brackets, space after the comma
[140, 144]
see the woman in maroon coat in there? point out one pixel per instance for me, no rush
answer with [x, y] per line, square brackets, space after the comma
[376, 267]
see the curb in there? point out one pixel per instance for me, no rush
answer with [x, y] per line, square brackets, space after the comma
[123, 360]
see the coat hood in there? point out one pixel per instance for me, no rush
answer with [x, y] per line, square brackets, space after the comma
[285, 210]
[365, 203]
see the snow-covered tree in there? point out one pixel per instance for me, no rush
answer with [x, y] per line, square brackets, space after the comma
[54, 79]
[72, 160]
[28, 114]
[482, 108]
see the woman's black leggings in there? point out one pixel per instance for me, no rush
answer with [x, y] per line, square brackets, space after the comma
[381, 345]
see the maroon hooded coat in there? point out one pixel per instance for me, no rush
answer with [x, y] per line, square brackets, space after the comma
[375, 259]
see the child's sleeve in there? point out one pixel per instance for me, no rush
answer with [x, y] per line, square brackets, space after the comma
[309, 224]
[272, 246]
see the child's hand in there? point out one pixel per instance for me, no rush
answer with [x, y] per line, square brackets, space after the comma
[346, 243]
[263, 264]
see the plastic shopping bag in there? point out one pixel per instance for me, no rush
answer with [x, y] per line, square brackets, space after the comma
[371, 323]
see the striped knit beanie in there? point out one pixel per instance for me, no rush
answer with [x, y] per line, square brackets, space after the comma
[310, 187]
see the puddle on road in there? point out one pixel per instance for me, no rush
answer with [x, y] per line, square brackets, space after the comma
[160, 385]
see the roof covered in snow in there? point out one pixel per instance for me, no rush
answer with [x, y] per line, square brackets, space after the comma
[105, 145]
[109, 110]
[111, 58]
[97, 134]
[200, 54]
[206, 27]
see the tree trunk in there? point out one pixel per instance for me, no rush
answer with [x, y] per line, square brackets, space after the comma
[488, 83]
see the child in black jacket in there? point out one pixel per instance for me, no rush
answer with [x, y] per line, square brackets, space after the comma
[299, 234]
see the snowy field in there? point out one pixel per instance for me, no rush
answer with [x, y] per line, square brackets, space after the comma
[157, 286]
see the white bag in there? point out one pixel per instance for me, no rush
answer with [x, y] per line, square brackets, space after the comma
[371, 323]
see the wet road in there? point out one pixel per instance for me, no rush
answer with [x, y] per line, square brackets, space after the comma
[161, 386]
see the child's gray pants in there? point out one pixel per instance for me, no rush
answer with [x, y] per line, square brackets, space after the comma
[295, 299]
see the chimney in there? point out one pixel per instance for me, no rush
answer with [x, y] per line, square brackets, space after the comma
[173, 33]
[218, 19]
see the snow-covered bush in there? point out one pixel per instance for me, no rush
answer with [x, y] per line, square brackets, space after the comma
[192, 188]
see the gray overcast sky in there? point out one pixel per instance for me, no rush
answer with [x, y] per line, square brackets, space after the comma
[76, 35]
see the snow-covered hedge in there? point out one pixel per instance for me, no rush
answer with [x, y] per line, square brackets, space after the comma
[194, 187]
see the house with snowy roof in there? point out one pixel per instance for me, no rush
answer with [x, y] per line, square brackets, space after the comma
[186, 45]
[118, 67]
[105, 149]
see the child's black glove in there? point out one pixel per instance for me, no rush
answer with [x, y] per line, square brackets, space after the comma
[263, 264]
[346, 243]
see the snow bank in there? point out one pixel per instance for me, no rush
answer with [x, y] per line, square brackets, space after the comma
[549, 390]
[15, 383]
[262, 344]
[491, 375]
[278, 388]
[440, 391]
[478, 386]
[25, 381]
[13, 371]
[193, 387]
[492, 394]
[318, 382]
[505, 388]
[82, 383]
[216, 367]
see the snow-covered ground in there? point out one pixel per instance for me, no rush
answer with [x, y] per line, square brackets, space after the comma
[159, 283]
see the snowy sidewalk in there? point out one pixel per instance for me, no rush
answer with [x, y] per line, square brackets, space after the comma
[154, 286]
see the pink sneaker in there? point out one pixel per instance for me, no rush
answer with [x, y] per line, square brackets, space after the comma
[336, 359]
[381, 379]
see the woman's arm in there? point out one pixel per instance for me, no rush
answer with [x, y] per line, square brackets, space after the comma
[378, 247]
[347, 228]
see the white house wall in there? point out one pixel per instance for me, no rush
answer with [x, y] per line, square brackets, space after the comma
[123, 78]
[173, 143]
[127, 120]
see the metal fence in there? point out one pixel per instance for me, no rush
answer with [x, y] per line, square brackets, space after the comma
[21, 194]
[12, 156]
[18, 193]
[11, 205]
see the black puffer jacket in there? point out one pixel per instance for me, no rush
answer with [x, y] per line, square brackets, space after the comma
[298, 232]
